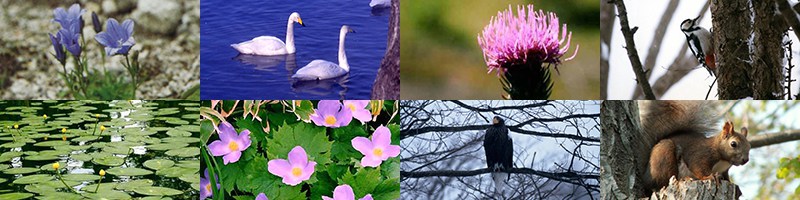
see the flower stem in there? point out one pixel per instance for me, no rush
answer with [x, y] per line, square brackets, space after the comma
[212, 175]
[58, 173]
[133, 74]
[98, 184]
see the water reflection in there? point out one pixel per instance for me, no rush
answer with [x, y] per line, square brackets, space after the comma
[322, 87]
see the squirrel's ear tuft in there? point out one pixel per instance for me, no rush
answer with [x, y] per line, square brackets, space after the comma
[744, 131]
[728, 127]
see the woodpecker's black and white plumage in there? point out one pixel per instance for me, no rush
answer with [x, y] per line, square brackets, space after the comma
[499, 150]
[700, 43]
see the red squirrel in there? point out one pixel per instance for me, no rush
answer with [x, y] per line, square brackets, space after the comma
[682, 148]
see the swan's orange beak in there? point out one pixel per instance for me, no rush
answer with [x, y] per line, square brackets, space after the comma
[300, 21]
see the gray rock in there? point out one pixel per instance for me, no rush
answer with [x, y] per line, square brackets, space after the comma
[159, 16]
[117, 6]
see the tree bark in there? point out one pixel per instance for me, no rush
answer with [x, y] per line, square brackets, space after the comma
[769, 29]
[732, 28]
[621, 133]
[387, 83]
[607, 18]
[701, 190]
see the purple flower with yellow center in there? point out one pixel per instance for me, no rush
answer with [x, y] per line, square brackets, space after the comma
[61, 56]
[262, 196]
[71, 19]
[205, 185]
[231, 144]
[331, 113]
[378, 149]
[295, 170]
[345, 192]
[357, 107]
[517, 45]
[118, 39]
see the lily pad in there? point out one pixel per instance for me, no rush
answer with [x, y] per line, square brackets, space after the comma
[38, 178]
[184, 152]
[175, 172]
[15, 196]
[42, 157]
[80, 177]
[21, 170]
[167, 146]
[179, 133]
[112, 161]
[40, 188]
[130, 185]
[130, 171]
[157, 191]
[108, 194]
[82, 157]
[51, 143]
[157, 164]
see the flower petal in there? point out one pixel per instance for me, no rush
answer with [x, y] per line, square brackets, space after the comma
[262, 196]
[298, 157]
[316, 118]
[327, 198]
[344, 117]
[279, 167]
[328, 107]
[382, 137]
[308, 171]
[291, 180]
[363, 115]
[363, 145]
[244, 138]
[232, 157]
[343, 192]
[366, 197]
[391, 151]
[226, 132]
[370, 161]
[219, 148]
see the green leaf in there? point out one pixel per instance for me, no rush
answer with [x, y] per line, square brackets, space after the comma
[157, 164]
[252, 182]
[324, 186]
[206, 128]
[38, 178]
[184, 152]
[387, 189]
[363, 181]
[395, 129]
[304, 110]
[15, 196]
[313, 140]
[229, 174]
[157, 191]
[257, 134]
[130, 171]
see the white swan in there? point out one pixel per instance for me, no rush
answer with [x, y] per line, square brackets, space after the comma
[380, 3]
[322, 69]
[271, 45]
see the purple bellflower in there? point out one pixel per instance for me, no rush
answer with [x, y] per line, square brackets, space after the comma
[61, 56]
[118, 39]
[231, 144]
[70, 19]
[517, 45]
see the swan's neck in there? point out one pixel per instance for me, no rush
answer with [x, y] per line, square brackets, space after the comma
[342, 56]
[290, 37]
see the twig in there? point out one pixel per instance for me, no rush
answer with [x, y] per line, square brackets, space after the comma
[633, 55]
[711, 86]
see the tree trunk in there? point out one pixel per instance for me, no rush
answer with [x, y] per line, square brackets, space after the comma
[732, 28]
[768, 34]
[607, 17]
[387, 83]
[700, 190]
[621, 133]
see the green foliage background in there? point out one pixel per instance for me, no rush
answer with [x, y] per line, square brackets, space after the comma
[286, 127]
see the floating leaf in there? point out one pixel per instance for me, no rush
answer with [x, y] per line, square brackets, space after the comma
[107, 194]
[15, 196]
[80, 177]
[184, 152]
[130, 185]
[157, 164]
[167, 146]
[21, 170]
[38, 178]
[112, 161]
[130, 171]
[157, 191]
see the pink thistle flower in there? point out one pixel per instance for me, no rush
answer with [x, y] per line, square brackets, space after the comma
[378, 149]
[345, 192]
[528, 36]
[231, 144]
[295, 170]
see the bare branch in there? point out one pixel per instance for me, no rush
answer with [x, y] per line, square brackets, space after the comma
[633, 55]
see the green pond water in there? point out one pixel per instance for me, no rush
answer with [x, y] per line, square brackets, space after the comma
[149, 149]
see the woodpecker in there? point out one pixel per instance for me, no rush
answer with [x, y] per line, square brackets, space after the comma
[700, 43]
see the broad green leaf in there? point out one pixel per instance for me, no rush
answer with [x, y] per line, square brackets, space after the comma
[206, 128]
[80, 177]
[157, 164]
[313, 140]
[184, 152]
[363, 181]
[162, 191]
[129, 171]
[38, 178]
[15, 196]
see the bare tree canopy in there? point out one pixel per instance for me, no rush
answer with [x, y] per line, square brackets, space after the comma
[556, 149]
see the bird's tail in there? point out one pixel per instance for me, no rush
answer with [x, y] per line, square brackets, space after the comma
[499, 182]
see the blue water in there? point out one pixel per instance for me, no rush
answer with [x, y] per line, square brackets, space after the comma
[227, 75]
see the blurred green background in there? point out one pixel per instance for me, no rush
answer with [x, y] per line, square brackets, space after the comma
[440, 57]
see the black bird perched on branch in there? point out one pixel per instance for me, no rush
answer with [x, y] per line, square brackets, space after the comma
[499, 149]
